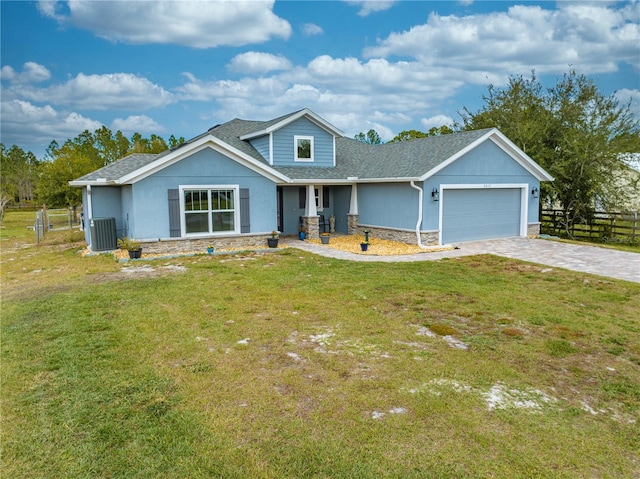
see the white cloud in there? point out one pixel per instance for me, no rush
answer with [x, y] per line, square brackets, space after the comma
[98, 92]
[258, 62]
[7, 73]
[140, 124]
[436, 121]
[31, 73]
[371, 6]
[310, 29]
[378, 78]
[252, 89]
[26, 124]
[194, 24]
[592, 37]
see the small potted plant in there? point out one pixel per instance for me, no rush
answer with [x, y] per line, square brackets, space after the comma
[302, 233]
[364, 246]
[273, 241]
[324, 237]
[210, 249]
[132, 246]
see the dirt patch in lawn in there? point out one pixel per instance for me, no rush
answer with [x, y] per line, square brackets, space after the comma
[138, 271]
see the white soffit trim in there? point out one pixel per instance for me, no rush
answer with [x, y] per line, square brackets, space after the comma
[350, 180]
[506, 145]
[208, 141]
[92, 183]
[290, 119]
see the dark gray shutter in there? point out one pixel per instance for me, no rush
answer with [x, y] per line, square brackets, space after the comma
[302, 197]
[174, 213]
[245, 215]
[325, 196]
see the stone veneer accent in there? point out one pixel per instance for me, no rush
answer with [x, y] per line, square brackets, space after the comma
[352, 224]
[190, 245]
[533, 229]
[311, 226]
[428, 238]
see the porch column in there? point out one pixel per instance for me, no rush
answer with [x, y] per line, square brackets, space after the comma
[353, 207]
[311, 214]
[352, 217]
[310, 208]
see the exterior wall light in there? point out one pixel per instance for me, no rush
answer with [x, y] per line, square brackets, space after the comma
[435, 195]
[534, 192]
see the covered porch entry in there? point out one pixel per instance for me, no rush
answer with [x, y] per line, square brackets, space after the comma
[315, 208]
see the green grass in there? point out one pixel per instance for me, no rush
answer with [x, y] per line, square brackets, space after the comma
[291, 365]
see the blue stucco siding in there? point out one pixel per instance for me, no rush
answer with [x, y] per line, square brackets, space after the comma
[128, 219]
[487, 160]
[262, 145]
[392, 205]
[487, 164]
[149, 202]
[283, 144]
[106, 202]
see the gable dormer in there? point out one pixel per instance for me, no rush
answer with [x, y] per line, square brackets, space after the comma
[298, 139]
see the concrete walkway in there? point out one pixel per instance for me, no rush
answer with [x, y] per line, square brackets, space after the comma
[583, 258]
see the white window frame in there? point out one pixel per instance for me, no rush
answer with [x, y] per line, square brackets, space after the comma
[296, 138]
[209, 188]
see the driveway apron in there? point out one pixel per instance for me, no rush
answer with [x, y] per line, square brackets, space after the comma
[582, 258]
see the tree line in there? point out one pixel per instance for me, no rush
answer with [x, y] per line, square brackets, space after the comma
[571, 129]
[27, 180]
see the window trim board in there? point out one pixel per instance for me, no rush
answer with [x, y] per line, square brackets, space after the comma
[236, 210]
[296, 138]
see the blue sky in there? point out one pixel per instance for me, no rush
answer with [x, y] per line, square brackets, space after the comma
[182, 67]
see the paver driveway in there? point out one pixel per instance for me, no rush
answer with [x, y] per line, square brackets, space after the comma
[576, 257]
[583, 258]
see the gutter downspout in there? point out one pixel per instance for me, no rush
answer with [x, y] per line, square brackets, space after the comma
[89, 205]
[419, 223]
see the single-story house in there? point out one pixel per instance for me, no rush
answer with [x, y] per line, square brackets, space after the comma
[239, 181]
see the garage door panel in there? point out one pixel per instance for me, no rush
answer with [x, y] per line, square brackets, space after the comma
[474, 214]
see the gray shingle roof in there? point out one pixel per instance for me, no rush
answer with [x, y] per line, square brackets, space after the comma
[122, 167]
[406, 159]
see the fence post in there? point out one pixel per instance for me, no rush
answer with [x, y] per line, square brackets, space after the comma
[37, 227]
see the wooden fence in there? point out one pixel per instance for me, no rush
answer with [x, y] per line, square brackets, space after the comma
[604, 227]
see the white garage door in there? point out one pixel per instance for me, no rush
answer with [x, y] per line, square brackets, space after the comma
[476, 214]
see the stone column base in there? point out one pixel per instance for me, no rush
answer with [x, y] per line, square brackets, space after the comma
[352, 224]
[533, 229]
[311, 226]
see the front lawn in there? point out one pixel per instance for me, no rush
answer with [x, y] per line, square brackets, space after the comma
[289, 365]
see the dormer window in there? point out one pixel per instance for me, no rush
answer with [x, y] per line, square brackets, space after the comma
[303, 146]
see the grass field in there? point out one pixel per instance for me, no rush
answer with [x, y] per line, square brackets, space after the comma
[289, 365]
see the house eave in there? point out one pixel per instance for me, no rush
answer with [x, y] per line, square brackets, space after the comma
[506, 145]
[302, 113]
[208, 141]
[350, 181]
[82, 184]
